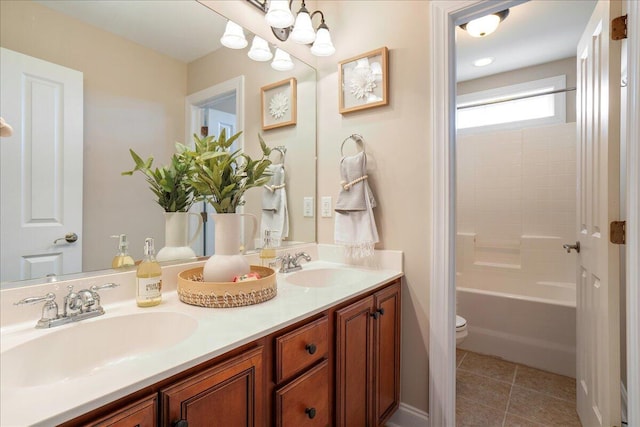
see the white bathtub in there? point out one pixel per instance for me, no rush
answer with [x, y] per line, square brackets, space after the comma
[534, 330]
[519, 300]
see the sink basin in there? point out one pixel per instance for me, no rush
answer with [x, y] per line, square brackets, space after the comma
[87, 347]
[326, 277]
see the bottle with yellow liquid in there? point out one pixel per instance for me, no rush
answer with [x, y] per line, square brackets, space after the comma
[149, 278]
[122, 258]
[268, 251]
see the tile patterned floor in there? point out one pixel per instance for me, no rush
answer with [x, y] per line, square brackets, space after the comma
[492, 392]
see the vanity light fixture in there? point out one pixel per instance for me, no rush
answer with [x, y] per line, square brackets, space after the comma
[485, 25]
[282, 61]
[283, 24]
[260, 50]
[233, 36]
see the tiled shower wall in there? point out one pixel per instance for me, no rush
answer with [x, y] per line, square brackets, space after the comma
[514, 187]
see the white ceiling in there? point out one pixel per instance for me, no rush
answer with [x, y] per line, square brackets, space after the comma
[182, 29]
[535, 32]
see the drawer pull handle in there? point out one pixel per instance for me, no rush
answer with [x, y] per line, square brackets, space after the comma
[381, 311]
[311, 412]
[375, 315]
[311, 349]
[181, 423]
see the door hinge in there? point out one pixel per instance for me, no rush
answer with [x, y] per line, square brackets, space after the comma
[617, 232]
[619, 28]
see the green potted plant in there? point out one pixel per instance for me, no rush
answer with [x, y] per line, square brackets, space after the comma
[221, 176]
[175, 194]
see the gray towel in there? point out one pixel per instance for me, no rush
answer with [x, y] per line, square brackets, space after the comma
[354, 198]
[271, 196]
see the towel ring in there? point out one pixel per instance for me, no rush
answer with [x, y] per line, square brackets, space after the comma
[359, 140]
[282, 150]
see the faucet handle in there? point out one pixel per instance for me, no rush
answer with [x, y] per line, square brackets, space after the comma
[49, 310]
[33, 300]
[96, 288]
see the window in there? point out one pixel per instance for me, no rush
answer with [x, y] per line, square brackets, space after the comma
[479, 111]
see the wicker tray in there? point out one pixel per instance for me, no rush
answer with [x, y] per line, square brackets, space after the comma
[193, 290]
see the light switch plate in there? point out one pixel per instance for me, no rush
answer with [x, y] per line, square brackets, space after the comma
[326, 207]
[307, 209]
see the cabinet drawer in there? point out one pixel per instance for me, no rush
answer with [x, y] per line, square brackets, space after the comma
[305, 401]
[140, 414]
[301, 348]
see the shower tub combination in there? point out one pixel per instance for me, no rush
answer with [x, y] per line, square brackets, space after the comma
[519, 300]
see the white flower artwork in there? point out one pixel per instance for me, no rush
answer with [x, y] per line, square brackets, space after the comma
[363, 79]
[278, 105]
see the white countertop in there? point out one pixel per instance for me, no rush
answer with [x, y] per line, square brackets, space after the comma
[217, 331]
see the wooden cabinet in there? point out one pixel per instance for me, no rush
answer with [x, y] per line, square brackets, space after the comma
[138, 414]
[338, 367]
[228, 394]
[368, 359]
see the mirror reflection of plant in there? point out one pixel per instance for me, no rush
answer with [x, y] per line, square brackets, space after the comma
[169, 183]
[220, 176]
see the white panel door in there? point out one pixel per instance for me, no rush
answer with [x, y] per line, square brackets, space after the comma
[598, 347]
[41, 185]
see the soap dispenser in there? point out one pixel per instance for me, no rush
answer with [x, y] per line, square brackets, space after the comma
[122, 258]
[149, 278]
[268, 251]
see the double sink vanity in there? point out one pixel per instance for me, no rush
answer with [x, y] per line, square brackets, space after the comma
[324, 351]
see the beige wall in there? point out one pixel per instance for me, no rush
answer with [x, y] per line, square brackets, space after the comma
[565, 67]
[133, 98]
[398, 148]
[300, 140]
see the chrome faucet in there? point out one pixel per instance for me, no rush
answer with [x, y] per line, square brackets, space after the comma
[80, 305]
[292, 262]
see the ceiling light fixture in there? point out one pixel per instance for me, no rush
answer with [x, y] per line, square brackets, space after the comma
[300, 28]
[485, 25]
[483, 62]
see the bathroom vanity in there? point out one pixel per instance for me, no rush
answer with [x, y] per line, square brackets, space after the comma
[324, 351]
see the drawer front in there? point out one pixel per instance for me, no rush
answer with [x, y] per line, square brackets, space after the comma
[305, 401]
[139, 414]
[301, 348]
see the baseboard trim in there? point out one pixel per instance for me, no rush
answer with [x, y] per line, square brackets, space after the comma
[408, 416]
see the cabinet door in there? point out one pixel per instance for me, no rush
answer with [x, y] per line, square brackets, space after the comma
[387, 353]
[229, 394]
[354, 367]
[139, 414]
[305, 401]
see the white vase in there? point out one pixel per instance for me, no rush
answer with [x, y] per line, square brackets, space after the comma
[228, 260]
[176, 238]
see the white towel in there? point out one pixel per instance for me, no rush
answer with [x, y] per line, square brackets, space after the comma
[275, 215]
[355, 226]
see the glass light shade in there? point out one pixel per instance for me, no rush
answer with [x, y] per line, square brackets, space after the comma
[260, 50]
[279, 15]
[483, 26]
[282, 61]
[233, 36]
[323, 46]
[303, 30]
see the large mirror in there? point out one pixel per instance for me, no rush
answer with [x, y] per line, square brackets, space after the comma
[140, 63]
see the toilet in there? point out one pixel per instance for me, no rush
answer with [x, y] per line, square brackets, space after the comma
[461, 329]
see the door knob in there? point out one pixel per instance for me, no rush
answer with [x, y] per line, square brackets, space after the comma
[575, 247]
[69, 238]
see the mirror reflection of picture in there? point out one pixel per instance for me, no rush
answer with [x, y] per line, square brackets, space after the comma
[364, 81]
[279, 104]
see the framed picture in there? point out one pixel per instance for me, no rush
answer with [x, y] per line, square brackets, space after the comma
[279, 104]
[364, 81]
